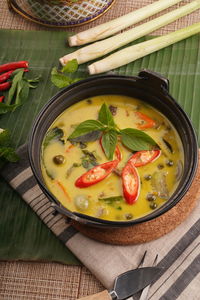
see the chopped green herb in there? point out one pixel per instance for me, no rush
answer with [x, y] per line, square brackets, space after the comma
[89, 160]
[112, 200]
[53, 134]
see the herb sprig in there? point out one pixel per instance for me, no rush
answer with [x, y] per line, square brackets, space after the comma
[19, 91]
[62, 78]
[7, 152]
[134, 139]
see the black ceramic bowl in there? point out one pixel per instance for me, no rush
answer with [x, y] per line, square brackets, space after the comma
[147, 86]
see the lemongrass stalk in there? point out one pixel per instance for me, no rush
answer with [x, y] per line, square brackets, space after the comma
[101, 48]
[109, 28]
[132, 53]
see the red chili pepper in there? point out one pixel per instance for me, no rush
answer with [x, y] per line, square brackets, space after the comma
[1, 98]
[130, 183]
[13, 66]
[5, 76]
[96, 174]
[5, 86]
[149, 123]
[117, 150]
[141, 158]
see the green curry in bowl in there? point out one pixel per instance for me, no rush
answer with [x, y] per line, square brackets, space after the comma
[112, 157]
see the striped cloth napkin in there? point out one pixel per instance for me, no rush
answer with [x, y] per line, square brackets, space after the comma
[178, 252]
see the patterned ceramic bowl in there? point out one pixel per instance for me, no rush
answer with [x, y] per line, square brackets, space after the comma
[61, 13]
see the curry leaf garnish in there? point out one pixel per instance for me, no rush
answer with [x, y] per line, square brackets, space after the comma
[87, 127]
[105, 116]
[136, 140]
[53, 134]
[109, 142]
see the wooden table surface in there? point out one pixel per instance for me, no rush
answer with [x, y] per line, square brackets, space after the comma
[31, 280]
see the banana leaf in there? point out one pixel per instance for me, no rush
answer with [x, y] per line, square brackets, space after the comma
[22, 235]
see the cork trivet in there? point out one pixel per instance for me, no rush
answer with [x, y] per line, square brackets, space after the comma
[151, 230]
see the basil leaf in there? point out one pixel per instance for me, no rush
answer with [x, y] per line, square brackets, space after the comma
[4, 137]
[4, 108]
[59, 79]
[34, 80]
[105, 116]
[89, 137]
[136, 140]
[53, 134]
[9, 154]
[12, 90]
[109, 141]
[22, 92]
[70, 67]
[86, 127]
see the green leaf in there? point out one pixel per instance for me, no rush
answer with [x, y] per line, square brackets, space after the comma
[22, 92]
[86, 127]
[89, 137]
[70, 67]
[9, 154]
[112, 200]
[34, 80]
[53, 134]
[136, 140]
[105, 116]
[109, 141]
[4, 137]
[4, 108]
[12, 90]
[59, 79]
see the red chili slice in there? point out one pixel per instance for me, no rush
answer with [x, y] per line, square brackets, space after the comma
[96, 174]
[130, 183]
[117, 151]
[149, 123]
[141, 158]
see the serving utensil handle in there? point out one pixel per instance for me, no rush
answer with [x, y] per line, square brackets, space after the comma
[99, 296]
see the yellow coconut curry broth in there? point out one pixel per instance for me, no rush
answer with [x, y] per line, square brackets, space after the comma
[63, 162]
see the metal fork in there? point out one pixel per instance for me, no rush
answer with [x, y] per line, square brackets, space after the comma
[145, 291]
[139, 266]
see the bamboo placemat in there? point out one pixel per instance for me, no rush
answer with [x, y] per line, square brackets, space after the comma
[23, 280]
